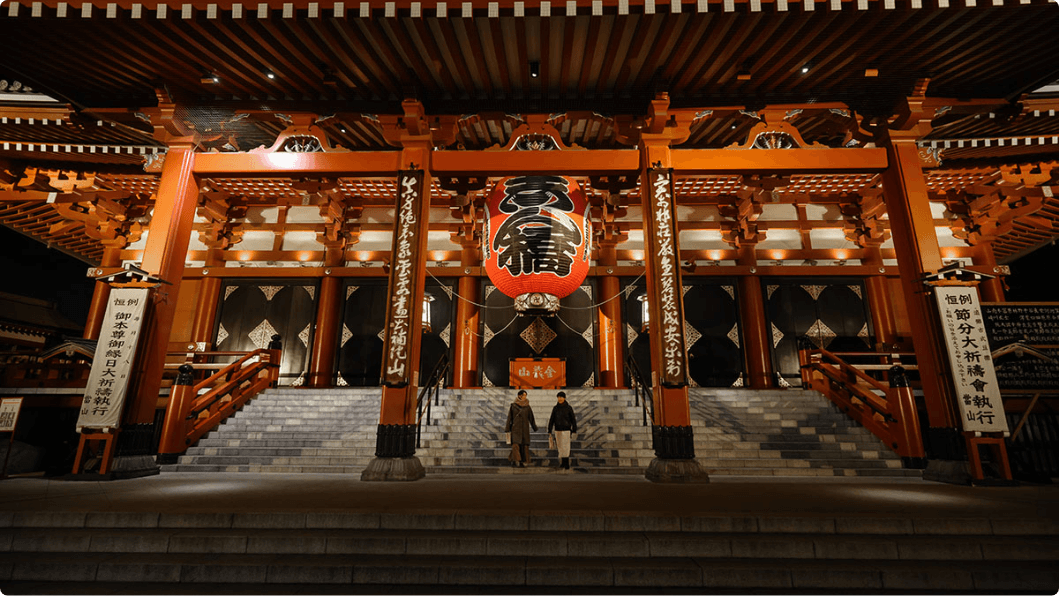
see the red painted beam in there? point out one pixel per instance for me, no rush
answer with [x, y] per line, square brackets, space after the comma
[777, 161]
[272, 165]
[515, 163]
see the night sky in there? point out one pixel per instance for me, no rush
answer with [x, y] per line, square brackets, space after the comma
[32, 269]
[29, 268]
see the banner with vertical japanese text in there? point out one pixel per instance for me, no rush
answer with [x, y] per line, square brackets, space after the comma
[973, 376]
[108, 380]
[660, 232]
[402, 303]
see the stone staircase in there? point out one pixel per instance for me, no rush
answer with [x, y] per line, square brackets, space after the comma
[784, 432]
[288, 430]
[738, 432]
[329, 552]
[468, 433]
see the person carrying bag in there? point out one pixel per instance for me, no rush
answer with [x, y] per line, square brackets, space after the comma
[519, 421]
[564, 422]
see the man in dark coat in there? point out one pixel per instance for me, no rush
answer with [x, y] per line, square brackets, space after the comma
[519, 421]
[564, 422]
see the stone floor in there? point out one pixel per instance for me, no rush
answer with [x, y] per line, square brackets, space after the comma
[236, 492]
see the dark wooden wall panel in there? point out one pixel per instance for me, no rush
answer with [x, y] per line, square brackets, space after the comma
[252, 310]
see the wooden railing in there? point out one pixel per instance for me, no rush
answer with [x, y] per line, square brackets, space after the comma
[196, 408]
[886, 409]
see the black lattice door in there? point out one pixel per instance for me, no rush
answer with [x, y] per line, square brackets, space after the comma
[360, 343]
[832, 313]
[711, 331]
[252, 311]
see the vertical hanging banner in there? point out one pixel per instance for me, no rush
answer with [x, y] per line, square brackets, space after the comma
[108, 380]
[664, 272]
[405, 270]
[973, 375]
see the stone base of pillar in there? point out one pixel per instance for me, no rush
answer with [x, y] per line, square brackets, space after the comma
[121, 468]
[948, 471]
[394, 469]
[676, 471]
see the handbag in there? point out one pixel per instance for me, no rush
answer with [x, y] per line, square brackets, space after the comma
[551, 440]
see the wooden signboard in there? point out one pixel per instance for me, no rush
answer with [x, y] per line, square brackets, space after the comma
[1030, 322]
[539, 373]
[9, 410]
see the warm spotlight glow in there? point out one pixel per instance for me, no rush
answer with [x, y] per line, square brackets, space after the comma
[714, 255]
[303, 255]
[777, 255]
[243, 255]
[841, 255]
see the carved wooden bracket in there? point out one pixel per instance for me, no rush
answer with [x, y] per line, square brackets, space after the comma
[301, 135]
[774, 132]
[864, 225]
[220, 209]
[536, 134]
[336, 211]
[414, 124]
[744, 211]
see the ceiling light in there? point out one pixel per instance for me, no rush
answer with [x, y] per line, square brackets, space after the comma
[534, 69]
[871, 72]
[209, 79]
[271, 75]
[805, 69]
[743, 75]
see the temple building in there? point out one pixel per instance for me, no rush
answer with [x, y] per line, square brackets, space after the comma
[760, 195]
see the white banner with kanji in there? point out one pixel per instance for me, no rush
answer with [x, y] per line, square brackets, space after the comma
[977, 391]
[109, 378]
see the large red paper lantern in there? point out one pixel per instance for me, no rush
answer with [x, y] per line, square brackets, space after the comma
[537, 239]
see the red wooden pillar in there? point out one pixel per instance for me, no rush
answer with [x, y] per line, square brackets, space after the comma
[918, 254]
[97, 309]
[757, 346]
[611, 350]
[991, 290]
[164, 256]
[465, 370]
[328, 320]
[395, 443]
[879, 303]
[674, 441]
[209, 299]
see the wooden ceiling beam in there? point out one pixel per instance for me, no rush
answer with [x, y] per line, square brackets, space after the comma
[419, 29]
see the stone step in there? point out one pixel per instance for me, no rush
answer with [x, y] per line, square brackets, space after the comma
[937, 564]
[749, 462]
[482, 542]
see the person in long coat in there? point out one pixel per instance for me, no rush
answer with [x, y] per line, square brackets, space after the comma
[564, 422]
[519, 421]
